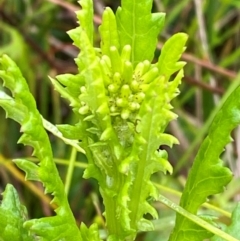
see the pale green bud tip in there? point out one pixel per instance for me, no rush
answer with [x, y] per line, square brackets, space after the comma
[125, 114]
[127, 48]
[121, 102]
[125, 91]
[106, 60]
[83, 89]
[117, 77]
[139, 97]
[150, 75]
[139, 69]
[83, 110]
[113, 109]
[113, 88]
[126, 52]
[134, 86]
[134, 106]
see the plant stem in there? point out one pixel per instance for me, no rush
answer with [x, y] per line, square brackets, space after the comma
[70, 170]
[196, 219]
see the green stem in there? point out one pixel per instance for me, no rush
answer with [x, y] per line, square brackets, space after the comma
[206, 205]
[136, 193]
[196, 219]
[110, 214]
[70, 170]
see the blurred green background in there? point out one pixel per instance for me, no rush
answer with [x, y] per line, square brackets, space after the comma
[33, 33]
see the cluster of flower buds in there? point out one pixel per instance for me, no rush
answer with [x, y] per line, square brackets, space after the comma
[125, 85]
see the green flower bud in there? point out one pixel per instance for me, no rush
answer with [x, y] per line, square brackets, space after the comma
[83, 89]
[127, 71]
[113, 88]
[139, 97]
[134, 85]
[125, 91]
[121, 102]
[117, 78]
[107, 60]
[133, 106]
[126, 53]
[115, 59]
[150, 75]
[146, 67]
[113, 109]
[125, 114]
[139, 69]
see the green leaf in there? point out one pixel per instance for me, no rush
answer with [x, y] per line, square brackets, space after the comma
[108, 31]
[35, 135]
[85, 17]
[12, 217]
[139, 28]
[91, 233]
[170, 54]
[30, 168]
[151, 128]
[233, 228]
[208, 176]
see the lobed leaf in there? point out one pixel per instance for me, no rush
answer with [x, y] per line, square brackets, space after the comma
[170, 54]
[35, 135]
[208, 176]
[233, 228]
[85, 17]
[139, 28]
[151, 127]
[91, 233]
[12, 216]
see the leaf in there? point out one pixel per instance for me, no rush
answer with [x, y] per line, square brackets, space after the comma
[208, 176]
[233, 228]
[151, 128]
[170, 54]
[139, 28]
[91, 233]
[29, 167]
[12, 216]
[85, 17]
[35, 135]
[108, 31]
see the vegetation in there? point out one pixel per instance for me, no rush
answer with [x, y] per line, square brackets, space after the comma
[116, 104]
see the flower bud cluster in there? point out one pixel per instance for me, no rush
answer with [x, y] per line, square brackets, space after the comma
[125, 85]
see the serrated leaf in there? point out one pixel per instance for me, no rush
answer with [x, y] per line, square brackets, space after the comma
[139, 28]
[71, 132]
[72, 83]
[53, 228]
[30, 168]
[171, 53]
[150, 127]
[85, 17]
[208, 176]
[233, 228]
[35, 136]
[91, 233]
[12, 217]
